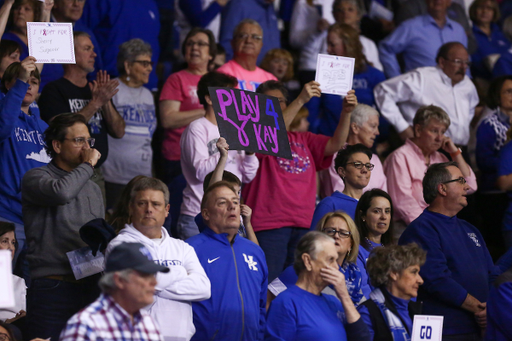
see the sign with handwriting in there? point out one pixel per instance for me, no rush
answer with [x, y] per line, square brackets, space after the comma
[51, 43]
[335, 74]
[250, 121]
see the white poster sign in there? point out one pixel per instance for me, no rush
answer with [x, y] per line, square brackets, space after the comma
[51, 43]
[335, 74]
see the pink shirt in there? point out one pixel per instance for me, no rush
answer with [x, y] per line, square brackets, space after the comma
[332, 182]
[283, 192]
[180, 86]
[199, 156]
[405, 169]
[247, 80]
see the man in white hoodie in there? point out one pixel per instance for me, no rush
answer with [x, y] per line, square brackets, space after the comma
[186, 282]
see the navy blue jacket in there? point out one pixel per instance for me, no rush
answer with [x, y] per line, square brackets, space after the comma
[458, 263]
[238, 274]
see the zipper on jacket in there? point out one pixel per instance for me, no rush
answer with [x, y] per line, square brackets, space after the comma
[240, 292]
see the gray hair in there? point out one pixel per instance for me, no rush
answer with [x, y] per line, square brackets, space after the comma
[383, 261]
[436, 175]
[310, 244]
[362, 113]
[429, 112]
[107, 283]
[145, 183]
[129, 51]
[242, 23]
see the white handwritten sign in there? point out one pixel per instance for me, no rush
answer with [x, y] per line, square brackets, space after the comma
[6, 289]
[335, 74]
[51, 42]
[427, 327]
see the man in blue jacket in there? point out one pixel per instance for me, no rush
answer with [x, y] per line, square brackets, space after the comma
[236, 268]
[459, 268]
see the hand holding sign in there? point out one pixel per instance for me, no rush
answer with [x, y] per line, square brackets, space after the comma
[51, 42]
[349, 102]
[28, 65]
[310, 90]
[250, 121]
[223, 147]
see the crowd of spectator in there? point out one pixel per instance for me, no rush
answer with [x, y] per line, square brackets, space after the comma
[127, 215]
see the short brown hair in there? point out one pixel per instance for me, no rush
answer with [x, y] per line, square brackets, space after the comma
[392, 259]
[58, 129]
[213, 187]
[13, 71]
[212, 50]
[478, 3]
[279, 53]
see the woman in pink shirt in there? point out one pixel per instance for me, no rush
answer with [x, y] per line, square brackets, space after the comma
[406, 166]
[179, 105]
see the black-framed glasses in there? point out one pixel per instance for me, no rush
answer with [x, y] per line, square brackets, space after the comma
[144, 63]
[243, 36]
[80, 141]
[4, 337]
[460, 180]
[359, 165]
[332, 233]
[460, 62]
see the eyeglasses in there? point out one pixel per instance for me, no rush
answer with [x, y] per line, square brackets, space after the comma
[244, 36]
[359, 165]
[460, 180]
[144, 63]
[198, 43]
[460, 62]
[333, 232]
[4, 337]
[80, 141]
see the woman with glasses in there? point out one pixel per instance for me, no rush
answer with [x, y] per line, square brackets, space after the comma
[406, 166]
[131, 155]
[395, 274]
[354, 167]
[179, 105]
[374, 214]
[305, 311]
[339, 226]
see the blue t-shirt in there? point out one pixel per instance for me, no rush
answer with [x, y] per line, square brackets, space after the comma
[496, 43]
[505, 168]
[362, 257]
[337, 201]
[299, 315]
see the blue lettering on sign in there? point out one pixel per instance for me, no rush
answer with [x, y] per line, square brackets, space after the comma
[271, 111]
[425, 332]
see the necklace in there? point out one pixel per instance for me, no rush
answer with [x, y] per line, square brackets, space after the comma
[370, 243]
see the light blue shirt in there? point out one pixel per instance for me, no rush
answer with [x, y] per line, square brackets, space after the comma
[418, 39]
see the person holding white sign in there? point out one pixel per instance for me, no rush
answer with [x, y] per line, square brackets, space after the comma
[394, 273]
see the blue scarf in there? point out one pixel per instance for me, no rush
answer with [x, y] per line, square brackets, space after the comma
[398, 331]
[353, 280]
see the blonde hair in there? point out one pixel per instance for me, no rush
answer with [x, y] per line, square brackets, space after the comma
[354, 233]
[279, 53]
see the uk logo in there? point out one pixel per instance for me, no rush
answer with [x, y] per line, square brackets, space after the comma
[473, 237]
[250, 261]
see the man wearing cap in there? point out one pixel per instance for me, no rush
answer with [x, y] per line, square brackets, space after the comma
[186, 282]
[127, 286]
[236, 268]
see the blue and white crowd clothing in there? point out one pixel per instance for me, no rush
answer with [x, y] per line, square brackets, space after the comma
[176, 290]
[324, 112]
[337, 201]
[503, 66]
[496, 43]
[364, 252]
[299, 315]
[396, 312]
[505, 168]
[106, 320]
[418, 39]
[132, 154]
[238, 275]
[350, 271]
[491, 135]
[458, 263]
[22, 148]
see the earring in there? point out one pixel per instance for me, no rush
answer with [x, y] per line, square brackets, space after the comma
[348, 253]
[127, 78]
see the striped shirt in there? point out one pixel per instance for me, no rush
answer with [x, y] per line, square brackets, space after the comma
[106, 320]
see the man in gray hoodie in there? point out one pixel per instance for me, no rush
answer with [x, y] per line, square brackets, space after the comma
[57, 200]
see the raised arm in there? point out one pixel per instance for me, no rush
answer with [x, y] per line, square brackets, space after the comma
[338, 140]
[311, 89]
[115, 122]
[456, 156]
[4, 15]
[46, 12]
